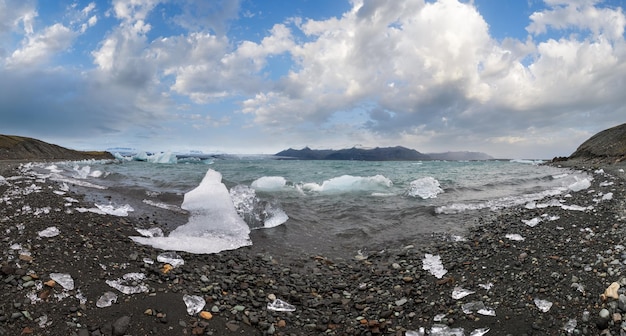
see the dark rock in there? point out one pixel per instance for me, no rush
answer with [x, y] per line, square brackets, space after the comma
[609, 144]
[121, 325]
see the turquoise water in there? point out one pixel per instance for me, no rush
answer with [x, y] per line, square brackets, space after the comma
[341, 205]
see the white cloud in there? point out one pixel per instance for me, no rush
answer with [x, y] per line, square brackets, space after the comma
[40, 47]
[579, 15]
[14, 13]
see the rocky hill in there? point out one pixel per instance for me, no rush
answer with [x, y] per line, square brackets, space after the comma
[22, 148]
[397, 153]
[607, 146]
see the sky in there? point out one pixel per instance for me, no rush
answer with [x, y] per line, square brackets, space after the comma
[513, 79]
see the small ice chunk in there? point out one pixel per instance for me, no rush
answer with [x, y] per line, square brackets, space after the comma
[486, 286]
[106, 300]
[515, 237]
[63, 279]
[433, 264]
[532, 222]
[439, 317]
[280, 305]
[444, 330]
[112, 210]
[543, 305]
[570, 326]
[477, 307]
[487, 312]
[49, 232]
[126, 284]
[459, 293]
[148, 261]
[171, 258]
[479, 332]
[579, 185]
[151, 232]
[607, 196]
[420, 332]
[194, 303]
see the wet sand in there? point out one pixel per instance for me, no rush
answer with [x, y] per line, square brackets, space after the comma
[567, 261]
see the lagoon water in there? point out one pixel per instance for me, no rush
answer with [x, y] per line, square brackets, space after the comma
[326, 207]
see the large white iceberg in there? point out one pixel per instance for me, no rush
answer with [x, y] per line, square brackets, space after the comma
[213, 225]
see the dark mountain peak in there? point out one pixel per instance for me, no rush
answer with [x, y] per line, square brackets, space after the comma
[22, 148]
[608, 145]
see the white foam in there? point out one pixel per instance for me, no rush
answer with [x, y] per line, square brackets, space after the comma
[269, 183]
[349, 183]
[425, 188]
[213, 225]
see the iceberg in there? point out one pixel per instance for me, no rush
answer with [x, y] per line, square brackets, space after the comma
[213, 225]
[425, 188]
[269, 183]
[349, 183]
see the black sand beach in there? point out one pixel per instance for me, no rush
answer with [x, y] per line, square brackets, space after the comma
[569, 262]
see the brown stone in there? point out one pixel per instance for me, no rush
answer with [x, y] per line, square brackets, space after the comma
[281, 323]
[205, 315]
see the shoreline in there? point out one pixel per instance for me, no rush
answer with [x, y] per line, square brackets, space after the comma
[386, 292]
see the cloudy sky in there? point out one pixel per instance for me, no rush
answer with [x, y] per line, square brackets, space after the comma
[514, 79]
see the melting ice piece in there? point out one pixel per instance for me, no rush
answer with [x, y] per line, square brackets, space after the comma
[280, 305]
[425, 188]
[477, 307]
[543, 305]
[151, 232]
[63, 279]
[122, 284]
[112, 210]
[420, 332]
[433, 264]
[194, 303]
[444, 330]
[486, 286]
[439, 317]
[579, 185]
[213, 225]
[171, 258]
[479, 332]
[106, 299]
[570, 326]
[49, 232]
[459, 293]
[532, 222]
[514, 236]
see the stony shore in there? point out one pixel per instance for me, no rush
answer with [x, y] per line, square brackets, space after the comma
[568, 259]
